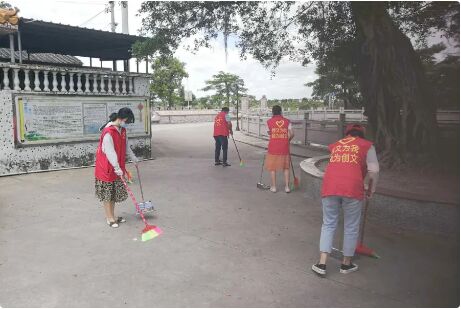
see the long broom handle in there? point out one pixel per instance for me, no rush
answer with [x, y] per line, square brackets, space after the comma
[236, 147]
[365, 210]
[140, 183]
[134, 201]
[262, 169]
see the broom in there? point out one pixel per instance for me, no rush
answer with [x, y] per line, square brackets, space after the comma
[149, 231]
[295, 179]
[238, 153]
[361, 248]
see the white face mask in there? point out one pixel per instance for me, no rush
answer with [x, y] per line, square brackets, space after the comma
[123, 124]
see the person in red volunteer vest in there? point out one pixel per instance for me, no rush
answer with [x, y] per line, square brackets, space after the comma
[278, 151]
[110, 163]
[221, 130]
[350, 176]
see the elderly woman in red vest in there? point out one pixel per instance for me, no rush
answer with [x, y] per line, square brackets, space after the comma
[278, 151]
[221, 130]
[110, 163]
[352, 170]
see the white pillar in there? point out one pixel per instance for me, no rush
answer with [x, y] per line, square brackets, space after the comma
[117, 85]
[55, 81]
[109, 84]
[6, 79]
[101, 84]
[46, 82]
[71, 82]
[123, 85]
[87, 82]
[79, 82]
[16, 79]
[37, 81]
[132, 86]
[95, 83]
[26, 81]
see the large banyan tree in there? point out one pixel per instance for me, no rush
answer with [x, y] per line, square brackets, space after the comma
[398, 99]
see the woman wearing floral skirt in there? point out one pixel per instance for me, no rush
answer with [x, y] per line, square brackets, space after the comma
[278, 152]
[110, 163]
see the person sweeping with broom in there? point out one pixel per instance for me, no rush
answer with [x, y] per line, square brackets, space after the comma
[110, 163]
[221, 130]
[353, 166]
[278, 151]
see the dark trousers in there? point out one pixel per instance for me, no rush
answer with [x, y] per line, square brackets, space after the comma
[220, 142]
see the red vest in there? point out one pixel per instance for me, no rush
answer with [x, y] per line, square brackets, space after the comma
[347, 168]
[104, 171]
[279, 144]
[220, 125]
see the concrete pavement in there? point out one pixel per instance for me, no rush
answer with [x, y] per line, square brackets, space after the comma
[225, 243]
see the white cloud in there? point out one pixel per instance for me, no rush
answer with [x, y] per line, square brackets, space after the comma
[287, 83]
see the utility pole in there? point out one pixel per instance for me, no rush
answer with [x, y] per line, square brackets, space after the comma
[112, 28]
[124, 6]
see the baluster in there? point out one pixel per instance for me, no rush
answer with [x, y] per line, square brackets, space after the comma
[102, 86]
[26, 81]
[6, 79]
[109, 84]
[79, 82]
[55, 81]
[16, 79]
[95, 83]
[37, 81]
[128, 87]
[87, 82]
[123, 85]
[71, 82]
[132, 86]
[46, 82]
[117, 86]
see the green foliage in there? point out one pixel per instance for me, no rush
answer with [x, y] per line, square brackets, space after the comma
[167, 80]
[227, 87]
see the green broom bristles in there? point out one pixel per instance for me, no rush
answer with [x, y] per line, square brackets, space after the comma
[242, 164]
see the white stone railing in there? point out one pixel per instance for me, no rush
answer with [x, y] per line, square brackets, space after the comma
[64, 80]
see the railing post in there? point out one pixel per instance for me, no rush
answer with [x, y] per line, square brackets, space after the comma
[102, 85]
[363, 111]
[87, 82]
[37, 81]
[123, 85]
[16, 79]
[306, 119]
[26, 81]
[324, 113]
[71, 82]
[109, 84]
[55, 81]
[132, 86]
[117, 86]
[342, 121]
[6, 79]
[259, 126]
[79, 82]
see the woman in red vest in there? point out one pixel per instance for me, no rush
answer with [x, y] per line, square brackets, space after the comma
[351, 173]
[278, 151]
[110, 163]
[221, 130]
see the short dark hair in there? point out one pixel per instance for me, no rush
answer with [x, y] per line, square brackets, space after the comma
[276, 110]
[225, 109]
[126, 113]
[356, 133]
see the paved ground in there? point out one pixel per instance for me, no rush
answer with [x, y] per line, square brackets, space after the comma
[226, 244]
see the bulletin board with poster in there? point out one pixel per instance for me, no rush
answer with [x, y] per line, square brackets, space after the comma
[48, 119]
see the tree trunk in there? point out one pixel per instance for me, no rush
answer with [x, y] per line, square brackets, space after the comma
[398, 100]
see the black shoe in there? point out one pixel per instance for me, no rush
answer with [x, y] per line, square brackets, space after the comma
[345, 269]
[320, 269]
[225, 164]
[217, 163]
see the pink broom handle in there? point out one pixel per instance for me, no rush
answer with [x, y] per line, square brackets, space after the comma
[134, 201]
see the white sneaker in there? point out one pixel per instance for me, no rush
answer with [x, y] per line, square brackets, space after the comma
[112, 224]
[287, 190]
[273, 189]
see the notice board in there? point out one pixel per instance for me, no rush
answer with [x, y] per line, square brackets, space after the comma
[57, 118]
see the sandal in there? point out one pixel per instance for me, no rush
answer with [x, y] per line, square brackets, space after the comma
[113, 224]
[120, 220]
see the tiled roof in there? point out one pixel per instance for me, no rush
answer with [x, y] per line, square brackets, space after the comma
[42, 57]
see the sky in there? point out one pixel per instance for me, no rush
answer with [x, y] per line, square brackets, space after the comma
[288, 81]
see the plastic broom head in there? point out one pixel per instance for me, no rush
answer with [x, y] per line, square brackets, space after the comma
[241, 163]
[150, 232]
[364, 250]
